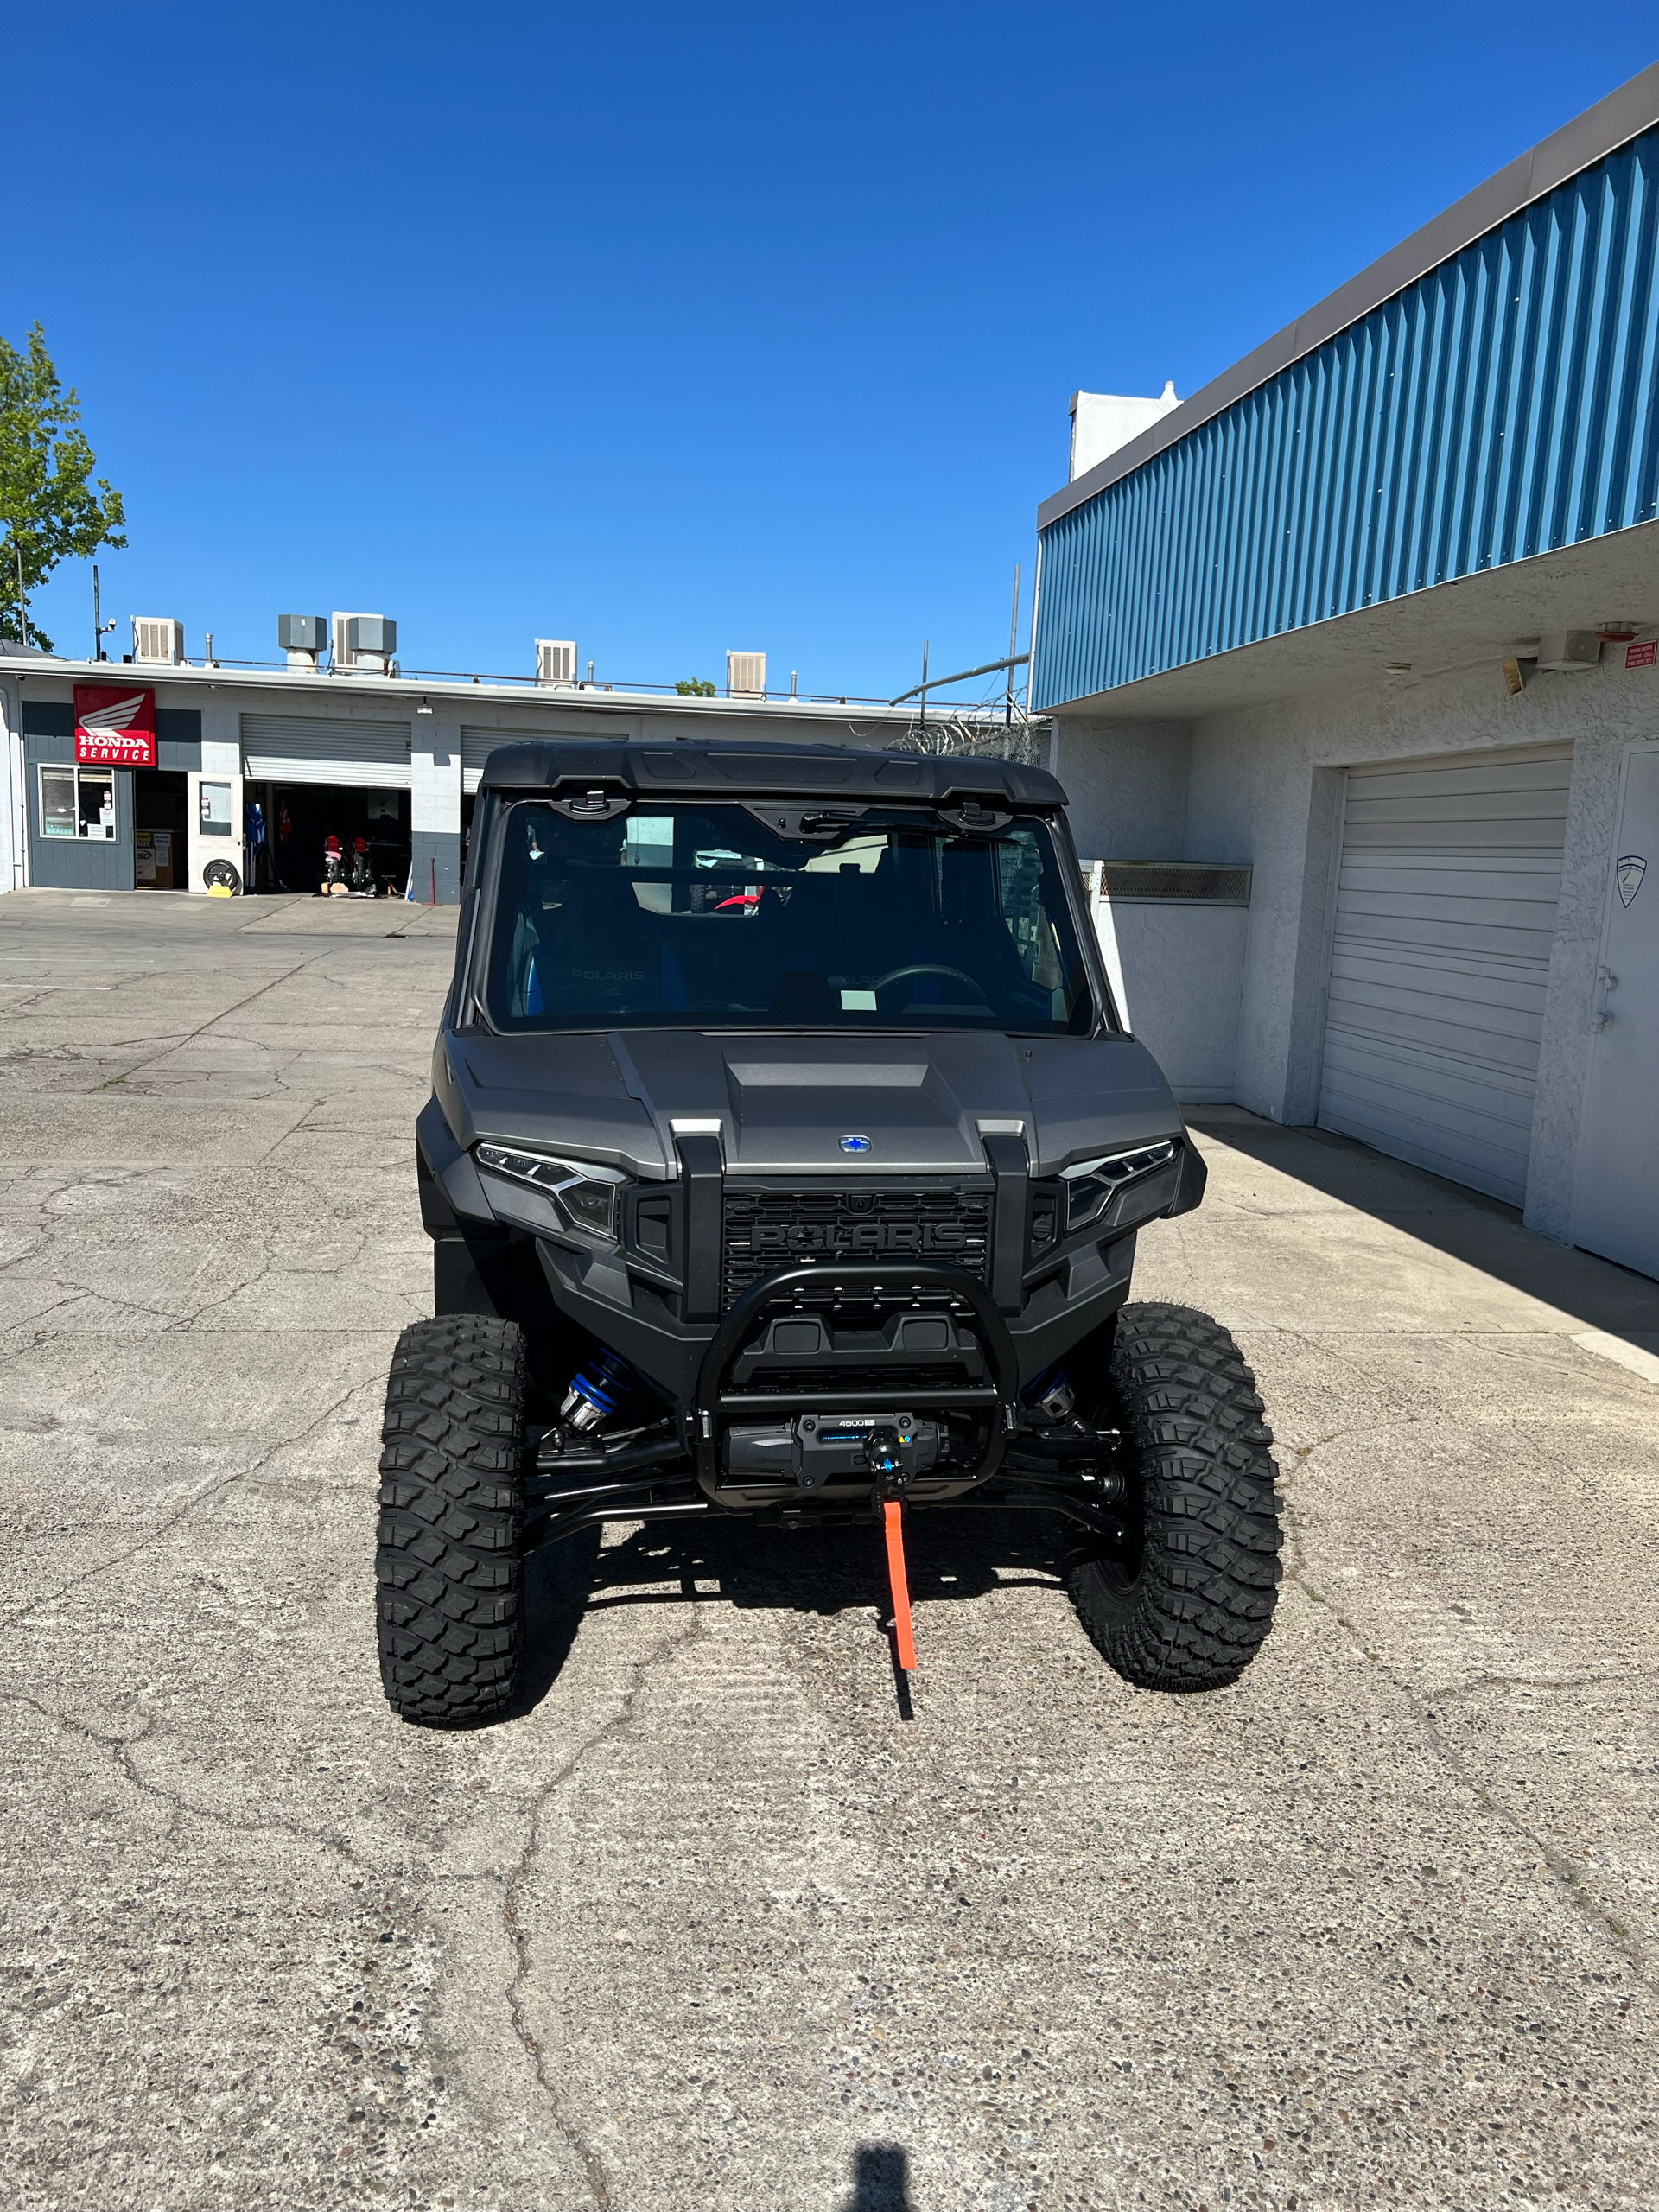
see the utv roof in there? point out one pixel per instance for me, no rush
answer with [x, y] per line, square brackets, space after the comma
[764, 771]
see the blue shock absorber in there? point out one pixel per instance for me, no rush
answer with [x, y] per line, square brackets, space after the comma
[1051, 1394]
[596, 1391]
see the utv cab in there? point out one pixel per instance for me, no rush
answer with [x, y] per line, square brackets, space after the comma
[783, 1161]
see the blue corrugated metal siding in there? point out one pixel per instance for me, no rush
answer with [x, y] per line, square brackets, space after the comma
[1507, 403]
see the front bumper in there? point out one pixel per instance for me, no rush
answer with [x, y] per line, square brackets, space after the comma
[659, 1296]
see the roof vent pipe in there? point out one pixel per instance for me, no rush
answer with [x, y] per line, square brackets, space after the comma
[303, 637]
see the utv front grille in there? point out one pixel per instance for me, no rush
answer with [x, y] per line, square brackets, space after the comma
[942, 1224]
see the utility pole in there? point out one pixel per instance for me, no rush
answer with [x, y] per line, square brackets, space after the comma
[22, 596]
[923, 681]
[101, 629]
[1013, 648]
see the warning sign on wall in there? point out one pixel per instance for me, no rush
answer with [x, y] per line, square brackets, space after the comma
[1640, 656]
[116, 729]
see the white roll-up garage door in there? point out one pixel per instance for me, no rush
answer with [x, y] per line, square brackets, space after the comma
[477, 745]
[1446, 910]
[324, 749]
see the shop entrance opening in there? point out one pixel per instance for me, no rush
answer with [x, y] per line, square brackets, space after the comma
[161, 848]
[300, 819]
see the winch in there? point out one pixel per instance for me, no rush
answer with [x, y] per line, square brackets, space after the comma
[812, 1449]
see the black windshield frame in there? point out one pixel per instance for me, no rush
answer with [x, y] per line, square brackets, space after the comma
[1005, 900]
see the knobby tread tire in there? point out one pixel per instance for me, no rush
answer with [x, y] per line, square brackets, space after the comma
[1195, 1607]
[450, 1563]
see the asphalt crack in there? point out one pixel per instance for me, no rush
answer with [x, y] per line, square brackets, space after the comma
[593, 2165]
[190, 1037]
[183, 1511]
[1595, 1915]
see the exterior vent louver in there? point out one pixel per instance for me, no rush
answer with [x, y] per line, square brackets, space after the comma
[363, 641]
[1183, 882]
[157, 637]
[746, 676]
[555, 660]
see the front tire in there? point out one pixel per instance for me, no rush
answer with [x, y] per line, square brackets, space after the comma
[1186, 1601]
[449, 1566]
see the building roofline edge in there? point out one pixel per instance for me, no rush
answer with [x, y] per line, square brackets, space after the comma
[1612, 122]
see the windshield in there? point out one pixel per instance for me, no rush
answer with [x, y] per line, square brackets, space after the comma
[711, 916]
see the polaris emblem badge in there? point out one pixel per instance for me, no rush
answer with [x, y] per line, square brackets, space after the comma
[855, 1144]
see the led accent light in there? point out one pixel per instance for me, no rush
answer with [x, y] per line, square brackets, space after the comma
[585, 1194]
[1093, 1183]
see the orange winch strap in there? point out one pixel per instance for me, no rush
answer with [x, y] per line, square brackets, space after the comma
[893, 1513]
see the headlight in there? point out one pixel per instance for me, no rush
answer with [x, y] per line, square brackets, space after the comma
[1092, 1184]
[585, 1194]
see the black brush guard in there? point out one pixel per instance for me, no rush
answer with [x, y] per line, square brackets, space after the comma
[667, 1477]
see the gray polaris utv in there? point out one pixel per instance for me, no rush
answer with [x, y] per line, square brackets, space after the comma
[784, 1158]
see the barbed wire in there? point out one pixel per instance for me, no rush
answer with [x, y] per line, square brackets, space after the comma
[979, 732]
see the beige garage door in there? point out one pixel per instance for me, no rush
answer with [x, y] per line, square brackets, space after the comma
[1451, 873]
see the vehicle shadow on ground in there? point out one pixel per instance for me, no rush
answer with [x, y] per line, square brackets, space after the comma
[950, 1555]
[1465, 1225]
[881, 2179]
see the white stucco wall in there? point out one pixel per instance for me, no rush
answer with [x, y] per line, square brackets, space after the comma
[1125, 786]
[1617, 710]
[1265, 786]
[1178, 973]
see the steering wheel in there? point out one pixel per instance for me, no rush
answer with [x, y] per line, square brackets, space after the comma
[930, 968]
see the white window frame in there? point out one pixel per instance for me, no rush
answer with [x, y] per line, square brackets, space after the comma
[43, 768]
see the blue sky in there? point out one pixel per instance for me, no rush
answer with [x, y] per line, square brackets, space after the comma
[678, 329]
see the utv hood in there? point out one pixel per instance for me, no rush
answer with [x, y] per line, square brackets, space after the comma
[805, 1105]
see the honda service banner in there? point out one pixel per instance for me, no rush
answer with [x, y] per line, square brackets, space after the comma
[115, 728]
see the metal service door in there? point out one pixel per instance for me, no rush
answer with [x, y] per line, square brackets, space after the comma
[1450, 877]
[1616, 1197]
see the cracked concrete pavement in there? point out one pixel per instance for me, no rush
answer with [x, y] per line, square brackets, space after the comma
[707, 1924]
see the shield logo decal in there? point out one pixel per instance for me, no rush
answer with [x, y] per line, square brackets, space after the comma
[1632, 868]
[855, 1144]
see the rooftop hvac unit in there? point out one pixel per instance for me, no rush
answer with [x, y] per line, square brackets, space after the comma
[555, 660]
[746, 676]
[302, 638]
[157, 637]
[364, 641]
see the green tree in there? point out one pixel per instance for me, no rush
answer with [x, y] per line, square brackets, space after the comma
[694, 687]
[52, 510]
